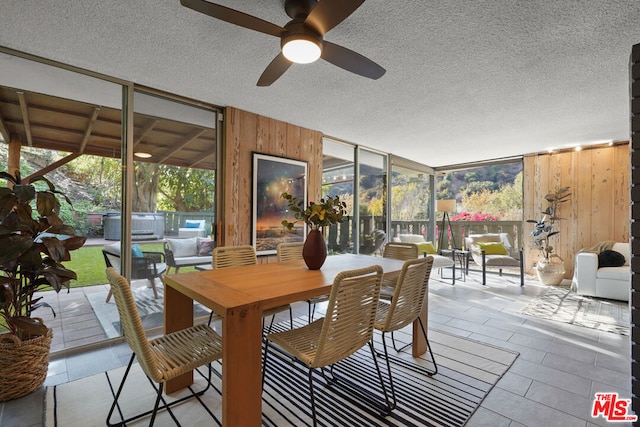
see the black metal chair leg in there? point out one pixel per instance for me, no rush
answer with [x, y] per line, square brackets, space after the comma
[159, 398]
[386, 357]
[484, 268]
[155, 407]
[389, 406]
[313, 399]
[117, 396]
[393, 341]
[291, 317]
[521, 269]
[433, 359]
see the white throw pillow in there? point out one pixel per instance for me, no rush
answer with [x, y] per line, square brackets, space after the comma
[183, 247]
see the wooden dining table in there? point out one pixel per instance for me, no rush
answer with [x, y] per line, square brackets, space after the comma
[240, 295]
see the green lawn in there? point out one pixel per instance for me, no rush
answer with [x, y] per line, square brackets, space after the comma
[88, 263]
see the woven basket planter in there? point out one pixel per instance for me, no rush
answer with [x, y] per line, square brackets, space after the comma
[23, 364]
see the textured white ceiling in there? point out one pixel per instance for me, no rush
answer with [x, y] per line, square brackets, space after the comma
[465, 81]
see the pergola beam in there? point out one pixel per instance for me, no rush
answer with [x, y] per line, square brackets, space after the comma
[88, 129]
[144, 131]
[4, 130]
[203, 159]
[53, 166]
[194, 134]
[25, 117]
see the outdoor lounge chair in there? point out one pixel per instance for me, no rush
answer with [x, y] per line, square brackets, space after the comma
[493, 250]
[144, 265]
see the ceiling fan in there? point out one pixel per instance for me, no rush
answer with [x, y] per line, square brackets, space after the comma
[301, 39]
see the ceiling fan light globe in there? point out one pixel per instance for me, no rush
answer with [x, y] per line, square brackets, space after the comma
[301, 51]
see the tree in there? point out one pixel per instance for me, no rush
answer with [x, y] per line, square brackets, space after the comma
[186, 189]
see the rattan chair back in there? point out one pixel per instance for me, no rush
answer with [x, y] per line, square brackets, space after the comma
[163, 358]
[132, 327]
[351, 312]
[234, 256]
[289, 251]
[410, 292]
[401, 251]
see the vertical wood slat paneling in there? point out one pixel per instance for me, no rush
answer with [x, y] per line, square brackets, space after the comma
[622, 174]
[602, 195]
[634, 149]
[248, 132]
[599, 205]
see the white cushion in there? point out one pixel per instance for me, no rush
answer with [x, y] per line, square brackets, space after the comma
[183, 247]
[191, 260]
[614, 273]
[411, 238]
[113, 248]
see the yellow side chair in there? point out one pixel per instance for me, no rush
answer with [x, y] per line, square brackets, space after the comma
[293, 250]
[405, 307]
[164, 358]
[347, 327]
[237, 256]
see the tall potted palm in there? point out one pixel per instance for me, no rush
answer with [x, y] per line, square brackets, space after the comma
[33, 246]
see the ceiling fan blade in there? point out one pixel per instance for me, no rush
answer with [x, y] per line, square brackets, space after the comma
[329, 13]
[351, 61]
[274, 70]
[233, 16]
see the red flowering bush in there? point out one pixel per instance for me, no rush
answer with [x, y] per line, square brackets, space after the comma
[477, 216]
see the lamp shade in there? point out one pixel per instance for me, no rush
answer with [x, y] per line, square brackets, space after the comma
[448, 205]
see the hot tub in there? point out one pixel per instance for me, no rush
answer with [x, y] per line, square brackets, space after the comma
[144, 226]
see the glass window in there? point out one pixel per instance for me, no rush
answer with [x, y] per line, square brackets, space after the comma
[67, 127]
[372, 198]
[173, 197]
[338, 171]
[410, 201]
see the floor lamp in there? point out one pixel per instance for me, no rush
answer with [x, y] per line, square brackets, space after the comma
[446, 206]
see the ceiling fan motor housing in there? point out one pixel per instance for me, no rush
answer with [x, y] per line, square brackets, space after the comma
[299, 8]
[297, 30]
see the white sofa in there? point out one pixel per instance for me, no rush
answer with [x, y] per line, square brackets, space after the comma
[439, 261]
[188, 252]
[605, 282]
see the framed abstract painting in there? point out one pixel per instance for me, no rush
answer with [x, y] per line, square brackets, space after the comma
[273, 176]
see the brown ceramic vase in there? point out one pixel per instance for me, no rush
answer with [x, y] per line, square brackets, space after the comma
[314, 250]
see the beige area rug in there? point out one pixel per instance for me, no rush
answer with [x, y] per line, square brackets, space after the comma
[467, 371]
[559, 303]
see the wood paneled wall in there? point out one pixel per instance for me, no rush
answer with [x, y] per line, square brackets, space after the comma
[245, 133]
[599, 207]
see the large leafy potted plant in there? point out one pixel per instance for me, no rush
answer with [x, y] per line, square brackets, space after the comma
[550, 268]
[33, 245]
[329, 211]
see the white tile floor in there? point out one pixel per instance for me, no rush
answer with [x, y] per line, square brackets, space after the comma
[552, 382]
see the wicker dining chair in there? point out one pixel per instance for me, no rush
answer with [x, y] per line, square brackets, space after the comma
[293, 250]
[347, 327]
[400, 251]
[238, 256]
[163, 358]
[405, 307]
